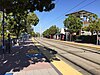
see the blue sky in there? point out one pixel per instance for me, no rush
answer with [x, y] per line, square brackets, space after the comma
[62, 7]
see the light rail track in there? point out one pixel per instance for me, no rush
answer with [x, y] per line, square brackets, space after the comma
[74, 54]
[74, 46]
[83, 58]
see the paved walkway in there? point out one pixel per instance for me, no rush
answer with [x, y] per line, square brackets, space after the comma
[40, 68]
[17, 63]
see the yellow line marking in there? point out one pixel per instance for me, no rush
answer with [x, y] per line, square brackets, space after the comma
[64, 68]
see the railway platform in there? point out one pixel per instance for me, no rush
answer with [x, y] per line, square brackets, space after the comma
[55, 67]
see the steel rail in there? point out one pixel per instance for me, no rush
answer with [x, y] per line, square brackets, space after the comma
[72, 54]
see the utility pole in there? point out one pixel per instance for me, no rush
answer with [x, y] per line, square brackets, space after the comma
[40, 30]
[3, 32]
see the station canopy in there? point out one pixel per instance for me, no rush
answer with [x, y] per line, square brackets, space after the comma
[80, 13]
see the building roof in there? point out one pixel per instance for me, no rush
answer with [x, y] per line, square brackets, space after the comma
[78, 13]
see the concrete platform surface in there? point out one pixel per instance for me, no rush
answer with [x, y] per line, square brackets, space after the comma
[40, 68]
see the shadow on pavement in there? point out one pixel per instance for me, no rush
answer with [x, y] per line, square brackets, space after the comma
[19, 58]
[22, 56]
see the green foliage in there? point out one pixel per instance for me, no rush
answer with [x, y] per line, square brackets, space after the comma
[46, 33]
[51, 31]
[32, 33]
[85, 28]
[93, 17]
[5, 30]
[32, 19]
[97, 25]
[15, 24]
[37, 34]
[94, 24]
[25, 5]
[73, 23]
[20, 23]
[19, 9]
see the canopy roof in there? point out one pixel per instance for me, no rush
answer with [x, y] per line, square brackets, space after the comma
[81, 12]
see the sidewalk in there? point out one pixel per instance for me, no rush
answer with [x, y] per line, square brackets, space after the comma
[17, 63]
[40, 68]
[13, 61]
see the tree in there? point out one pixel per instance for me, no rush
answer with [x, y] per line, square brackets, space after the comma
[37, 34]
[32, 20]
[19, 24]
[15, 24]
[32, 33]
[94, 25]
[92, 20]
[22, 6]
[25, 5]
[46, 33]
[51, 31]
[89, 28]
[73, 23]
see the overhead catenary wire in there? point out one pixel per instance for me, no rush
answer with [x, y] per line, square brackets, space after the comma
[60, 17]
[87, 4]
[69, 10]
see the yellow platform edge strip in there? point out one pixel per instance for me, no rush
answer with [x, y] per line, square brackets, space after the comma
[65, 69]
